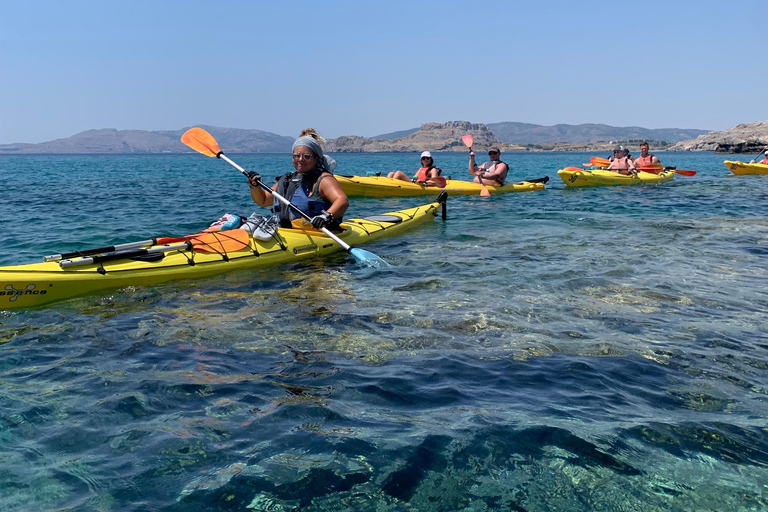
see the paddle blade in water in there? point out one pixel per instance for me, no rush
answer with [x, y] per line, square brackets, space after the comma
[201, 141]
[685, 172]
[368, 259]
[467, 140]
[484, 190]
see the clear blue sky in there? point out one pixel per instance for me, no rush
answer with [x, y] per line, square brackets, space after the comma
[368, 67]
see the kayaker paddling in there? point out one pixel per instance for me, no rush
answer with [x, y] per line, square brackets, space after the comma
[764, 161]
[427, 175]
[312, 188]
[493, 172]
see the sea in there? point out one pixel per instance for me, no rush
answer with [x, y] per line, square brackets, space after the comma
[568, 349]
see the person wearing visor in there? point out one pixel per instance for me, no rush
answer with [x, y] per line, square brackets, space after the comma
[492, 172]
[424, 176]
[620, 162]
[311, 187]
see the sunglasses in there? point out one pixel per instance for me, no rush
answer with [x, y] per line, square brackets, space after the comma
[426, 158]
[305, 156]
[493, 152]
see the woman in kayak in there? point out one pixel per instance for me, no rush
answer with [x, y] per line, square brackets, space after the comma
[424, 176]
[312, 188]
[621, 163]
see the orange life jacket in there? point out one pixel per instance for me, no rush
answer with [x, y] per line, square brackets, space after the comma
[620, 164]
[423, 173]
[639, 161]
[764, 161]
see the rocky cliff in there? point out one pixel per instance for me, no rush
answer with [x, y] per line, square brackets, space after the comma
[430, 137]
[743, 138]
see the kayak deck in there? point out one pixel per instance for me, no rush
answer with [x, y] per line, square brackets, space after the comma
[381, 186]
[599, 177]
[742, 168]
[24, 286]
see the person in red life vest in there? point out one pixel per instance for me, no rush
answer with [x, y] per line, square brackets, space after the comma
[621, 163]
[645, 157]
[764, 161]
[493, 172]
[423, 176]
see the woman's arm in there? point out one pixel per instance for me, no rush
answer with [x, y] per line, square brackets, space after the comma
[262, 197]
[331, 191]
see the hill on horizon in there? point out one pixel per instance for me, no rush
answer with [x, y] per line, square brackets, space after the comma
[112, 141]
[236, 140]
[526, 133]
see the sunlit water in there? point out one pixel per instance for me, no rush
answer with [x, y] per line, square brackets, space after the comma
[570, 349]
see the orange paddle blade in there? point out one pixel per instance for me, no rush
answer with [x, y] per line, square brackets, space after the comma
[600, 162]
[439, 181]
[685, 172]
[654, 168]
[468, 140]
[201, 141]
[222, 241]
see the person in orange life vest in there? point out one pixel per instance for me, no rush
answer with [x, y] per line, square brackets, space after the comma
[621, 163]
[645, 157]
[423, 176]
[764, 161]
[493, 172]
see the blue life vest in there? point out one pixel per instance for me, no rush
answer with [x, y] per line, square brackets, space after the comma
[303, 190]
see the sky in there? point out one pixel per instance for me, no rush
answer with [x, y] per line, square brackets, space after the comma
[355, 67]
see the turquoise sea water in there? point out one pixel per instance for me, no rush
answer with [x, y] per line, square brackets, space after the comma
[570, 349]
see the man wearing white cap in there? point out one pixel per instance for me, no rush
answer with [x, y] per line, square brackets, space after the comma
[424, 176]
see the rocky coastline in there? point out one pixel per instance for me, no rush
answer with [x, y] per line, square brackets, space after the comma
[742, 138]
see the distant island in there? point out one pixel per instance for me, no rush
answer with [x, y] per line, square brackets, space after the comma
[429, 136]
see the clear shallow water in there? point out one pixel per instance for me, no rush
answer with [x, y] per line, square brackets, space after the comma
[571, 349]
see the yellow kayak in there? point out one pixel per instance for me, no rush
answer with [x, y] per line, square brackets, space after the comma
[380, 186]
[598, 177]
[24, 286]
[741, 168]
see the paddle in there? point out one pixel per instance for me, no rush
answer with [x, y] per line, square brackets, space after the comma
[657, 168]
[599, 162]
[203, 142]
[220, 242]
[111, 248]
[468, 140]
[143, 244]
[438, 181]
